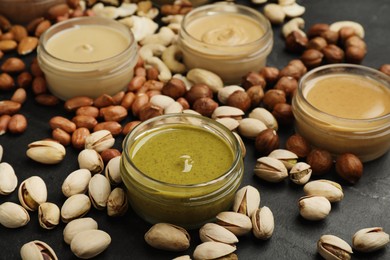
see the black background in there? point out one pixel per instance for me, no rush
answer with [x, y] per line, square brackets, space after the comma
[366, 204]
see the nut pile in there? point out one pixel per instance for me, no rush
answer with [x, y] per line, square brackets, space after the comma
[254, 110]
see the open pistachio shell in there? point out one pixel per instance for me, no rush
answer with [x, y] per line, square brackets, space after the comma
[239, 224]
[99, 189]
[117, 203]
[99, 140]
[212, 250]
[329, 189]
[314, 207]
[32, 192]
[247, 200]
[300, 173]
[217, 233]
[48, 215]
[331, 247]
[263, 223]
[90, 243]
[46, 152]
[168, 237]
[112, 171]
[76, 182]
[270, 169]
[370, 239]
[37, 250]
[8, 179]
[91, 160]
[76, 206]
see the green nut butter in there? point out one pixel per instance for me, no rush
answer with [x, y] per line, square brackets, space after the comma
[182, 169]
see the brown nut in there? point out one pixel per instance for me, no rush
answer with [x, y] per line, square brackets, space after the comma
[312, 58]
[273, 97]
[13, 65]
[256, 94]
[27, 45]
[108, 154]
[283, 114]
[88, 122]
[57, 10]
[198, 91]
[61, 136]
[316, 29]
[153, 85]
[385, 68]
[114, 127]
[79, 136]
[5, 24]
[152, 73]
[183, 102]
[320, 160]
[239, 99]
[118, 97]
[20, 95]
[63, 123]
[345, 33]
[19, 32]
[317, 43]
[296, 42]
[270, 74]
[88, 111]
[32, 25]
[253, 79]
[267, 141]
[355, 54]
[47, 100]
[4, 120]
[42, 27]
[8, 107]
[150, 111]
[24, 79]
[291, 71]
[140, 71]
[140, 101]
[113, 113]
[333, 54]
[355, 41]
[288, 84]
[17, 124]
[349, 167]
[300, 66]
[331, 37]
[6, 82]
[298, 145]
[127, 100]
[129, 126]
[205, 106]
[103, 100]
[7, 45]
[36, 70]
[39, 85]
[136, 83]
[74, 103]
[174, 88]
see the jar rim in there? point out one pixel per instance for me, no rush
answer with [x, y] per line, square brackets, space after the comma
[209, 122]
[212, 9]
[337, 68]
[85, 21]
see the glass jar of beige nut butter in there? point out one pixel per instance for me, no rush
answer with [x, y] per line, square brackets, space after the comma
[181, 168]
[227, 39]
[345, 108]
[87, 56]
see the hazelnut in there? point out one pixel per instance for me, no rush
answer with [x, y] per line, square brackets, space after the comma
[345, 33]
[267, 141]
[283, 114]
[239, 99]
[292, 70]
[287, 84]
[317, 43]
[331, 37]
[252, 79]
[355, 41]
[108, 154]
[150, 111]
[349, 167]
[205, 106]
[298, 145]
[256, 94]
[312, 58]
[299, 64]
[198, 91]
[296, 42]
[130, 126]
[24, 79]
[273, 97]
[183, 102]
[333, 53]
[270, 74]
[385, 68]
[174, 88]
[317, 29]
[355, 54]
[152, 73]
[320, 161]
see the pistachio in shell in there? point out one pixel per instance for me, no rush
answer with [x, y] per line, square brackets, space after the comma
[8, 179]
[247, 200]
[212, 250]
[168, 237]
[37, 250]
[32, 192]
[76, 226]
[90, 243]
[13, 215]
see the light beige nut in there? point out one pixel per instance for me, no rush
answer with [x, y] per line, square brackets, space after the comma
[48, 215]
[216, 233]
[76, 206]
[270, 169]
[300, 173]
[168, 237]
[90, 243]
[8, 178]
[37, 250]
[46, 152]
[246, 200]
[76, 226]
[288, 158]
[117, 203]
[314, 207]
[212, 250]
[264, 116]
[161, 101]
[76, 182]
[358, 28]
[99, 140]
[251, 127]
[263, 223]
[227, 111]
[112, 171]
[13, 215]
[329, 189]
[295, 24]
[239, 224]
[171, 56]
[32, 192]
[370, 239]
[293, 10]
[332, 247]
[201, 76]
[274, 13]
[229, 123]
[91, 160]
[98, 191]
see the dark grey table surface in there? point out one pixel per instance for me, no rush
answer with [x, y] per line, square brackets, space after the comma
[366, 204]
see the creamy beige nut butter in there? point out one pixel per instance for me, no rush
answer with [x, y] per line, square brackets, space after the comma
[229, 40]
[345, 108]
[87, 56]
